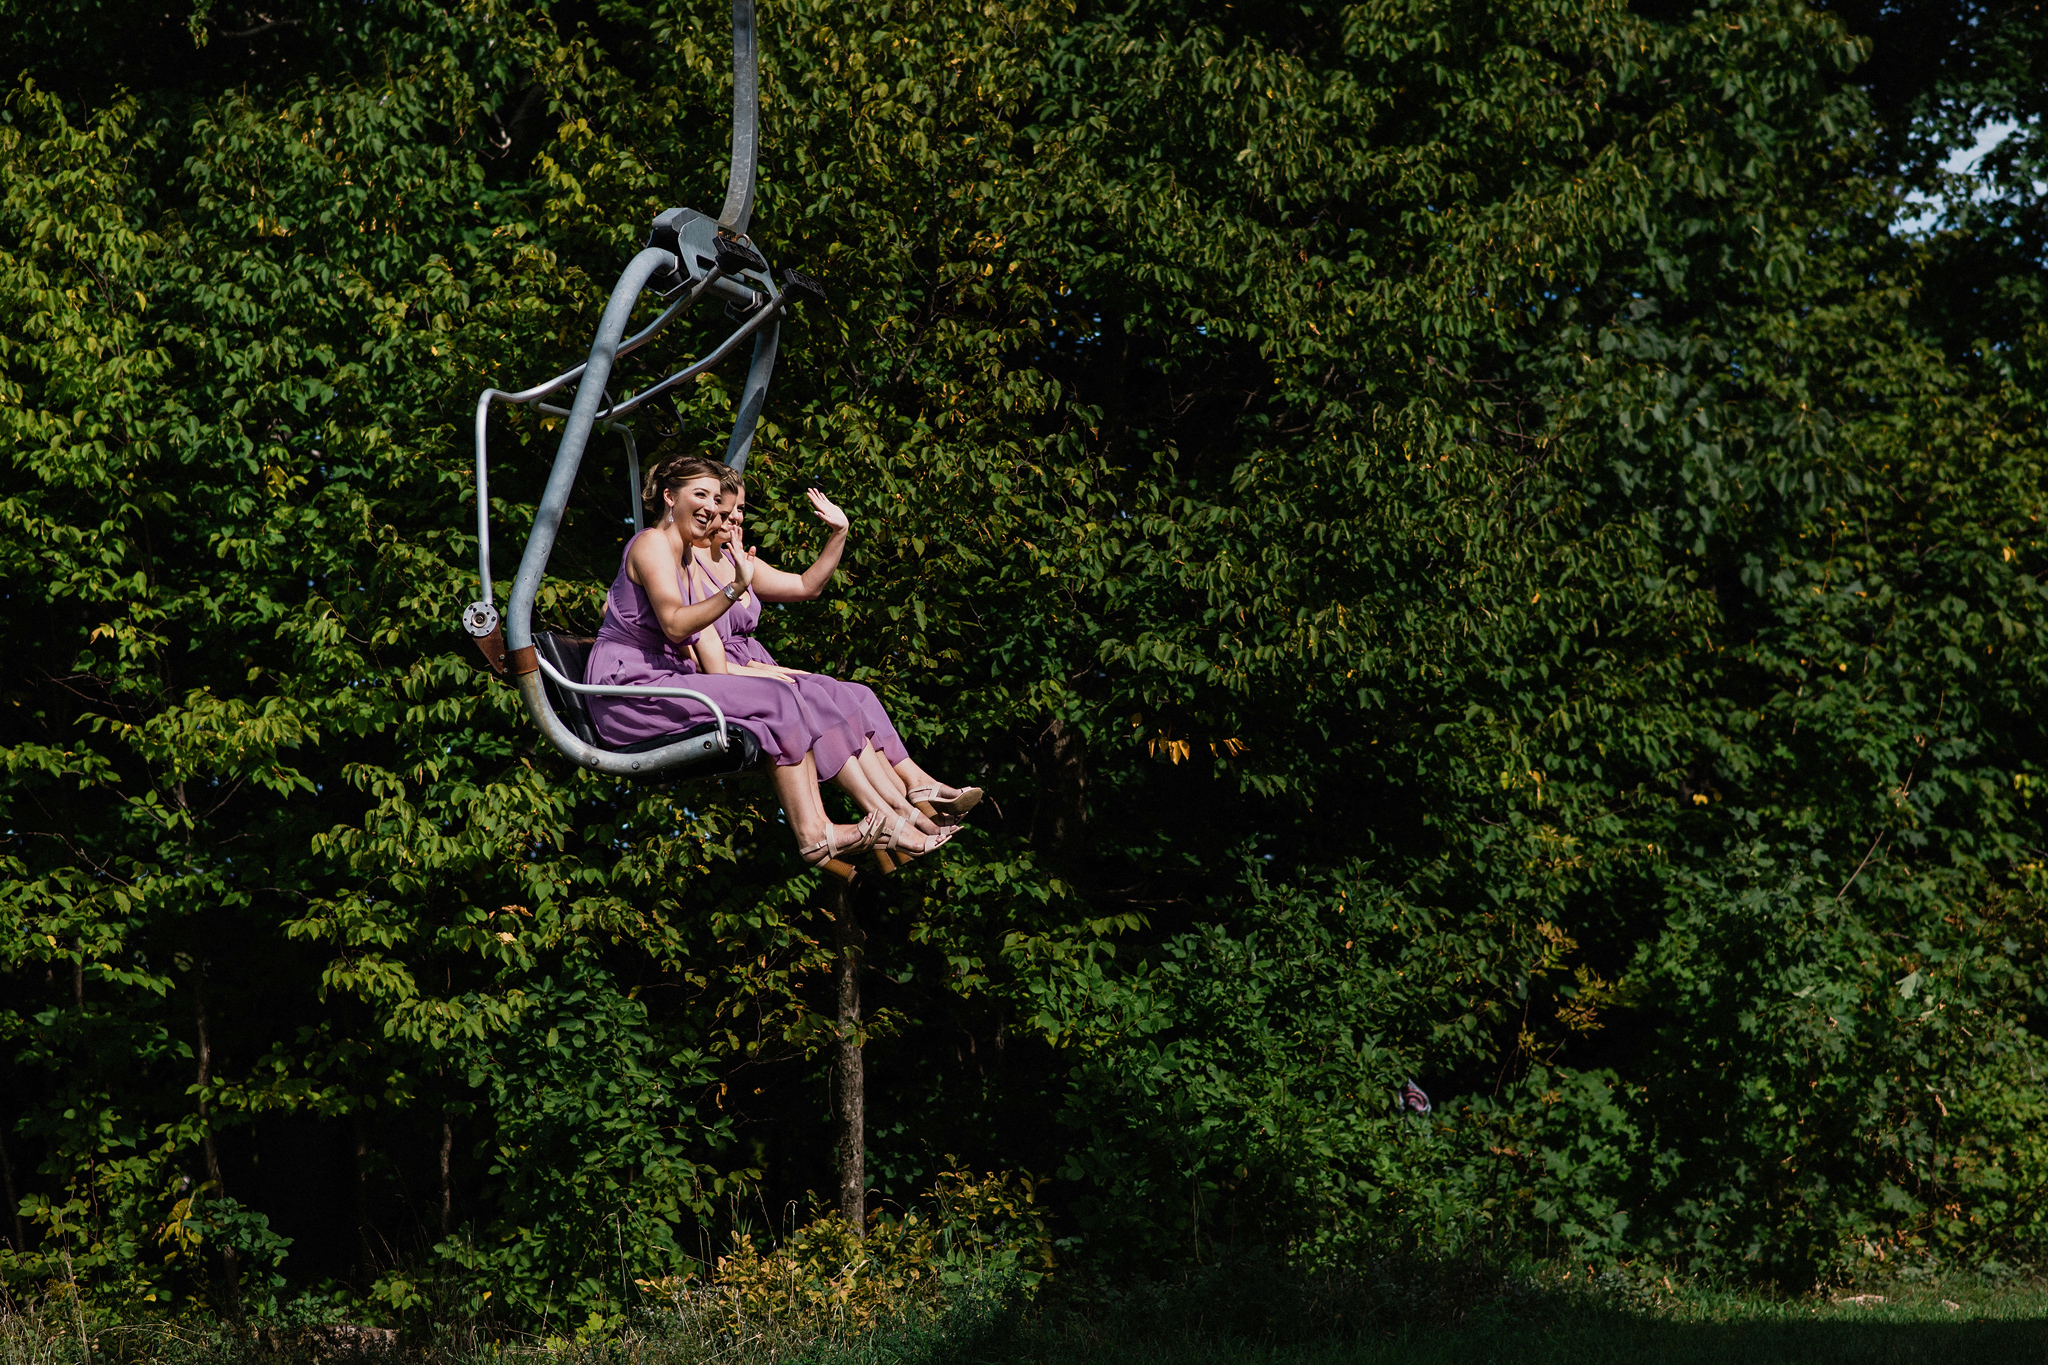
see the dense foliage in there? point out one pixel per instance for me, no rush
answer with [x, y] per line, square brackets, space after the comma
[1465, 541]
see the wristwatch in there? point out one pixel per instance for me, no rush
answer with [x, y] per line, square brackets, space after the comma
[732, 592]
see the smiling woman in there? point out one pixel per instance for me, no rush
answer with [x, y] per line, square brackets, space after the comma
[739, 649]
[651, 616]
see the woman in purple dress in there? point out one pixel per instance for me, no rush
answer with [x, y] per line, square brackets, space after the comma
[652, 619]
[847, 733]
[887, 761]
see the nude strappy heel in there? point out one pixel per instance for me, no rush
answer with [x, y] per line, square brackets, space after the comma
[890, 840]
[873, 837]
[824, 853]
[927, 800]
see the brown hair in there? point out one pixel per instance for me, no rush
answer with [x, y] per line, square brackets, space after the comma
[677, 470]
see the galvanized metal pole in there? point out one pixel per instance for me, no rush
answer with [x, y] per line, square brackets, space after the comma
[554, 498]
[746, 122]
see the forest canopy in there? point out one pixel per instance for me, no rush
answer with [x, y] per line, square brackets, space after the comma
[1497, 544]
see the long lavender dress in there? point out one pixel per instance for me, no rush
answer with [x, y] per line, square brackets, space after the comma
[632, 651]
[831, 697]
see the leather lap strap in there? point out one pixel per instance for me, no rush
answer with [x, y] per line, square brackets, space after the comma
[493, 647]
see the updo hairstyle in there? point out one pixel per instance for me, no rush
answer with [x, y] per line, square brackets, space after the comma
[672, 473]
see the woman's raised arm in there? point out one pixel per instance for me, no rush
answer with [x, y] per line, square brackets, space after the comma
[654, 568]
[779, 585]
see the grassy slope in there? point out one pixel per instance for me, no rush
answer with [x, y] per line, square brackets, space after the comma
[1988, 1323]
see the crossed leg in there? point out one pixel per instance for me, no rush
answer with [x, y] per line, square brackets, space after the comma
[883, 795]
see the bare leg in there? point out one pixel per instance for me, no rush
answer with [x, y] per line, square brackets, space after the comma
[797, 786]
[885, 780]
[852, 778]
[914, 776]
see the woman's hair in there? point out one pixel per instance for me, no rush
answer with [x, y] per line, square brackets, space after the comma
[677, 470]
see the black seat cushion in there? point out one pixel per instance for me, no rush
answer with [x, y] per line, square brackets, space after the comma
[570, 656]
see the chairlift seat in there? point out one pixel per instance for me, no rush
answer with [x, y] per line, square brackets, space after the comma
[570, 656]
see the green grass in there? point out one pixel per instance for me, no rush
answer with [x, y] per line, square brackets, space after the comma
[1989, 1323]
[2014, 1328]
[1240, 1317]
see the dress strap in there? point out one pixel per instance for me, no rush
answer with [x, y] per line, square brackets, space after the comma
[711, 581]
[711, 584]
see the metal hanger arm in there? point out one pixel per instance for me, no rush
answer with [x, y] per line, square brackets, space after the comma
[754, 396]
[554, 499]
[746, 122]
[716, 255]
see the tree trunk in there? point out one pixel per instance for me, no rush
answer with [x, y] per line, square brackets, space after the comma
[1059, 825]
[447, 1145]
[77, 1299]
[366, 1261]
[13, 1201]
[230, 1270]
[852, 1088]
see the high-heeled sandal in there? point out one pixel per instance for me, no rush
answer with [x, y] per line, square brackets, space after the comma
[872, 835]
[876, 833]
[892, 845]
[824, 854]
[927, 800]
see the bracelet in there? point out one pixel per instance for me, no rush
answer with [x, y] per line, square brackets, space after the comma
[732, 592]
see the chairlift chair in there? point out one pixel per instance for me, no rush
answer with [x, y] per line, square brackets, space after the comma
[687, 257]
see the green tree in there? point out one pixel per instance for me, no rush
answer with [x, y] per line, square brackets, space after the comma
[1448, 532]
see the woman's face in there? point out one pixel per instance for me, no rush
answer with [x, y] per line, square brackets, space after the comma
[694, 507]
[733, 508]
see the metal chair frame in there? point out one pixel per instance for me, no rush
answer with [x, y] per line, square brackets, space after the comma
[692, 255]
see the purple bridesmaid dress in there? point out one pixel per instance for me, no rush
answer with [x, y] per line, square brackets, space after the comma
[831, 697]
[632, 651]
